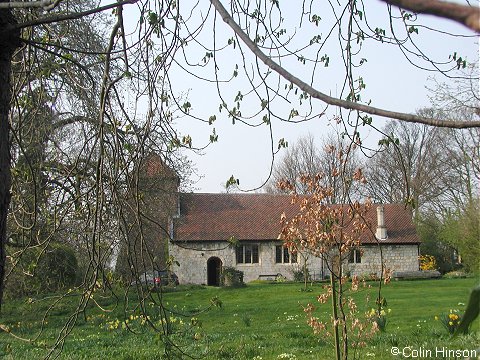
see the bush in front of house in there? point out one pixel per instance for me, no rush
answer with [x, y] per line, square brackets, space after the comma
[232, 277]
[300, 274]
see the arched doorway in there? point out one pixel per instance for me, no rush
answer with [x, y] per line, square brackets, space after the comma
[214, 268]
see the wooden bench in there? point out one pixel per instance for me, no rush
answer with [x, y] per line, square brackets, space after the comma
[269, 277]
[419, 274]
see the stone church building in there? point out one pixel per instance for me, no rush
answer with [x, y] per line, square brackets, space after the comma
[203, 230]
[205, 233]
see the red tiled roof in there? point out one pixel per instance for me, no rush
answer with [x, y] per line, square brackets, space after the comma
[217, 217]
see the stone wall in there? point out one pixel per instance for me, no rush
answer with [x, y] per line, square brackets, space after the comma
[395, 258]
[193, 257]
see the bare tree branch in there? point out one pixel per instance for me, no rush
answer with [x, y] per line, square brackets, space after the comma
[466, 15]
[329, 99]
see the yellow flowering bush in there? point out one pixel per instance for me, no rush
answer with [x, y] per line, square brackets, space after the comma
[428, 262]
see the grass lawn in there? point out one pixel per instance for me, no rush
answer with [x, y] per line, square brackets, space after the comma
[259, 321]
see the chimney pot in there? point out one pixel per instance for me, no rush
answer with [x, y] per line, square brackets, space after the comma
[381, 232]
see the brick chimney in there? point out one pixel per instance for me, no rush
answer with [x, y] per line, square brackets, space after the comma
[381, 233]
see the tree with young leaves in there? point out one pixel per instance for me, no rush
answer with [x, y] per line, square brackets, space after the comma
[331, 232]
[461, 229]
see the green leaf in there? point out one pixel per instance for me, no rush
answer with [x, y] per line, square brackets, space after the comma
[128, 147]
[379, 33]
[232, 182]
[413, 29]
[367, 120]
[315, 19]
[239, 97]
[152, 18]
[282, 143]
[264, 104]
[316, 39]
[186, 106]
[232, 240]
[293, 113]
[213, 136]
[325, 59]
[187, 140]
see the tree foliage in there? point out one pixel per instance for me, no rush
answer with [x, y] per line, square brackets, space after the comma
[40, 270]
[461, 230]
[429, 230]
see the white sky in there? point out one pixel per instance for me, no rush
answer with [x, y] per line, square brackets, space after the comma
[245, 152]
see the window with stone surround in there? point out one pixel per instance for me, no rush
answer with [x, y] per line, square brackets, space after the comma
[247, 254]
[355, 257]
[283, 256]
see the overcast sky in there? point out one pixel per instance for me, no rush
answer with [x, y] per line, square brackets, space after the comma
[245, 152]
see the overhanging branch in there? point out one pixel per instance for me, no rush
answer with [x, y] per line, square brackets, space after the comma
[73, 16]
[465, 15]
[329, 99]
[45, 4]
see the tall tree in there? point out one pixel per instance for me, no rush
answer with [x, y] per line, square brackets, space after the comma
[335, 161]
[461, 230]
[460, 99]
[9, 42]
[413, 167]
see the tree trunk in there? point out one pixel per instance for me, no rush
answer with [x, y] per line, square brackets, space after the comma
[335, 317]
[9, 41]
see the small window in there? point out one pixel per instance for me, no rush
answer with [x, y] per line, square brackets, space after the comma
[255, 254]
[278, 254]
[247, 254]
[282, 255]
[239, 253]
[355, 257]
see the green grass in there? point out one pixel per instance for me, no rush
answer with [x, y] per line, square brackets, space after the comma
[259, 321]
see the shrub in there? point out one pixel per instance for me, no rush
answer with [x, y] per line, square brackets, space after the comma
[57, 267]
[232, 277]
[38, 271]
[299, 275]
[456, 275]
[20, 281]
[428, 262]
